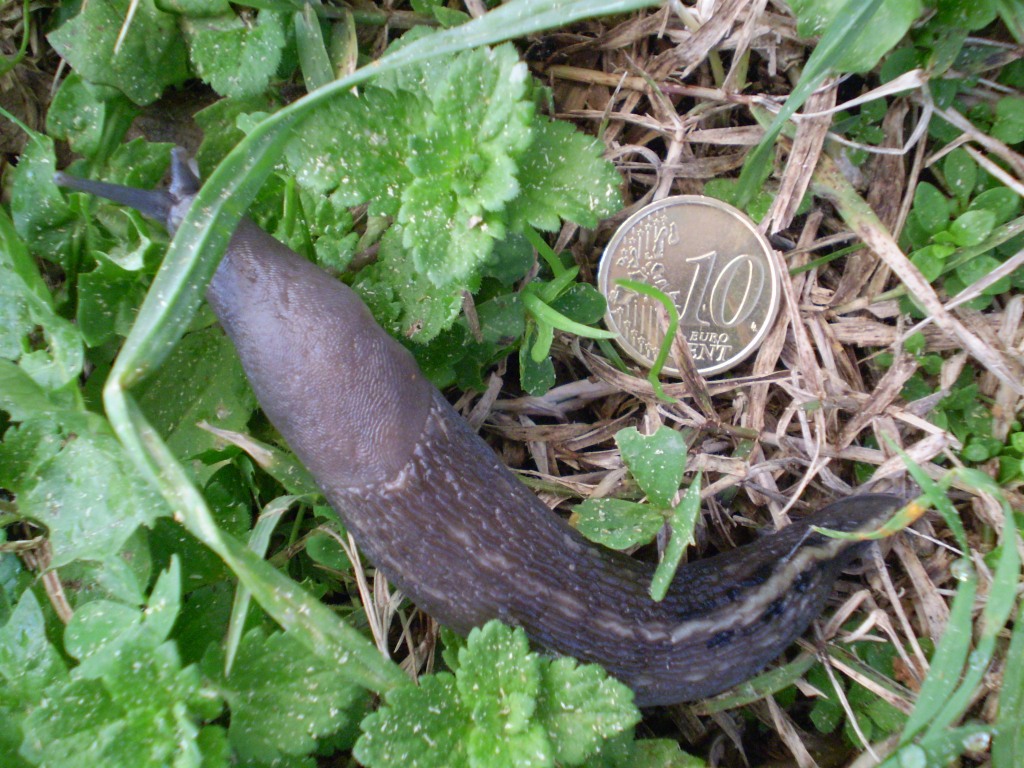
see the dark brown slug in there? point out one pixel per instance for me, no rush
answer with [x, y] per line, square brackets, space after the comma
[433, 508]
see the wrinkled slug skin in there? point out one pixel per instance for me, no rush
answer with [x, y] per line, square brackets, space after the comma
[434, 509]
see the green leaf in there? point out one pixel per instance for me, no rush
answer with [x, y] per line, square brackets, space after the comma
[99, 630]
[30, 668]
[1004, 203]
[536, 378]
[402, 300]
[421, 726]
[150, 57]
[931, 259]
[684, 520]
[80, 485]
[98, 625]
[1009, 125]
[656, 461]
[107, 299]
[580, 707]
[282, 697]
[961, 173]
[582, 303]
[202, 381]
[356, 147]
[931, 207]
[498, 680]
[415, 77]
[236, 58]
[563, 175]
[967, 16]
[20, 396]
[465, 160]
[82, 113]
[445, 242]
[543, 313]
[1012, 14]
[194, 8]
[38, 209]
[144, 710]
[314, 60]
[618, 523]
[502, 319]
[972, 227]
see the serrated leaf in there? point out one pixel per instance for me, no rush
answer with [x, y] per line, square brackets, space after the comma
[100, 629]
[465, 163]
[499, 678]
[563, 174]
[402, 300]
[445, 242]
[416, 77]
[529, 748]
[656, 461]
[150, 57]
[580, 706]
[29, 668]
[138, 713]
[282, 697]
[618, 523]
[236, 58]
[498, 682]
[420, 726]
[356, 147]
[81, 486]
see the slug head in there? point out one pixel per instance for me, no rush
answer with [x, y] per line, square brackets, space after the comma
[349, 400]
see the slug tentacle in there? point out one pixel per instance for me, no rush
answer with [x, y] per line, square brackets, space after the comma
[435, 510]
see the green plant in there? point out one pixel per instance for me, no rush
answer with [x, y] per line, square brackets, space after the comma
[657, 463]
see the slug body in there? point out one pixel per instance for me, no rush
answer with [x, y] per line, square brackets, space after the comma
[434, 509]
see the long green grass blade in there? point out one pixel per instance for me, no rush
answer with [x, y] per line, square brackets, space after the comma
[1008, 744]
[948, 660]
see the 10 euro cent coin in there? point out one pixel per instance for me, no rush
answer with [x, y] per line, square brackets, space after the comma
[714, 264]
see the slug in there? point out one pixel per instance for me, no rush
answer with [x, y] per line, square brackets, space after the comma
[435, 510]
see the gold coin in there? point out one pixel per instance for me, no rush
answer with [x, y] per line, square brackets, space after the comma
[715, 265]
